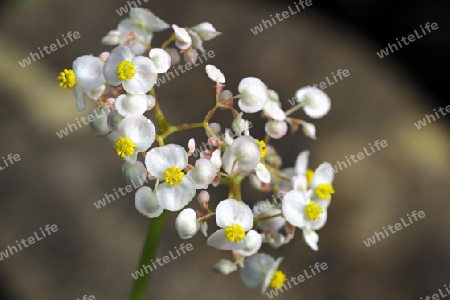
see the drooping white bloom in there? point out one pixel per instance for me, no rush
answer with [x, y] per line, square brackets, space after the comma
[262, 270]
[235, 218]
[215, 74]
[147, 20]
[203, 173]
[167, 163]
[136, 74]
[161, 59]
[316, 103]
[183, 39]
[186, 223]
[146, 202]
[206, 31]
[243, 155]
[131, 105]
[253, 95]
[302, 212]
[138, 129]
[86, 75]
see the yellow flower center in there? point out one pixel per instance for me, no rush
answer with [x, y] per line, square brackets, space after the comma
[277, 280]
[125, 70]
[124, 146]
[173, 176]
[234, 233]
[324, 191]
[313, 211]
[67, 78]
[262, 147]
[309, 176]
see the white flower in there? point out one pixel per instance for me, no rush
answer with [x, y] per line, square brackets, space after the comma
[311, 238]
[161, 59]
[136, 74]
[273, 110]
[166, 163]
[321, 184]
[206, 31]
[315, 102]
[183, 39]
[186, 223]
[147, 203]
[136, 134]
[134, 173]
[235, 218]
[215, 74]
[224, 267]
[240, 125]
[203, 173]
[262, 269]
[243, 155]
[276, 129]
[131, 105]
[86, 76]
[253, 242]
[302, 212]
[253, 95]
[262, 173]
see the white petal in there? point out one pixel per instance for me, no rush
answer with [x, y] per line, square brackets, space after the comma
[206, 31]
[144, 78]
[147, 203]
[135, 174]
[159, 159]
[224, 267]
[215, 159]
[149, 19]
[79, 98]
[150, 102]
[114, 120]
[131, 105]
[118, 55]
[273, 110]
[253, 242]
[231, 211]
[219, 241]
[255, 268]
[176, 197]
[301, 163]
[316, 102]
[262, 173]
[276, 129]
[293, 208]
[309, 130]
[203, 173]
[311, 238]
[99, 125]
[186, 223]
[161, 59]
[215, 74]
[270, 273]
[245, 151]
[140, 130]
[184, 40]
[323, 175]
[88, 71]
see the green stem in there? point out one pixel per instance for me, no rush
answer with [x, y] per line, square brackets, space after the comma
[148, 252]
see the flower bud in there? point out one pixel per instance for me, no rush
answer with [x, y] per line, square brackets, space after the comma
[224, 267]
[186, 223]
[203, 198]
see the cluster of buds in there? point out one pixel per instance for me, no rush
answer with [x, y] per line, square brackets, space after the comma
[122, 82]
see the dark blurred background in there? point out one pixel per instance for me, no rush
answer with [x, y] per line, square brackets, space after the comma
[95, 250]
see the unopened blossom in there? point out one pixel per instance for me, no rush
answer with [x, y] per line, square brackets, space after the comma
[315, 102]
[134, 173]
[206, 31]
[146, 202]
[167, 163]
[235, 218]
[276, 129]
[182, 38]
[243, 155]
[224, 267]
[161, 59]
[137, 74]
[203, 173]
[215, 74]
[309, 130]
[252, 95]
[186, 223]
[240, 125]
[86, 75]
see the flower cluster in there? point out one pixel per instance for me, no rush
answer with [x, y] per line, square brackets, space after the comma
[122, 82]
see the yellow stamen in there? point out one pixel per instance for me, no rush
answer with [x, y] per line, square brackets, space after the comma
[124, 146]
[67, 78]
[277, 280]
[313, 211]
[262, 147]
[234, 233]
[125, 70]
[324, 191]
[173, 176]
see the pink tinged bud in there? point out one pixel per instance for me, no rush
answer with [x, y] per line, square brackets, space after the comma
[104, 55]
[174, 55]
[150, 102]
[191, 146]
[226, 96]
[203, 199]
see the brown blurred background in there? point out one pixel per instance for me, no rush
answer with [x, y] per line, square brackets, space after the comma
[95, 250]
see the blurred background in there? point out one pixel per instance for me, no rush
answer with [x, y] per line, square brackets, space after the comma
[95, 250]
